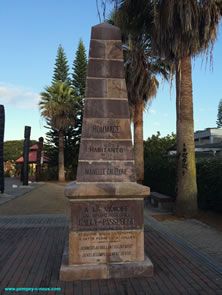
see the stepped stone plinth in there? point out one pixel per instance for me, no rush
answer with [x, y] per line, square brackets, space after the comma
[106, 237]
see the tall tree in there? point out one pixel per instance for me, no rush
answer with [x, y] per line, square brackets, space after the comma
[61, 68]
[61, 74]
[141, 66]
[142, 85]
[219, 115]
[79, 83]
[79, 70]
[183, 29]
[59, 104]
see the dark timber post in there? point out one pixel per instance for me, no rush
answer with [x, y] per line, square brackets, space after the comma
[26, 155]
[39, 153]
[2, 127]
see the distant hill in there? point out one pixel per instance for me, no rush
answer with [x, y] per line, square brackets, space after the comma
[13, 149]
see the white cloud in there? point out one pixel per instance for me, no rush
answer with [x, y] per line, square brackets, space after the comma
[18, 96]
[152, 111]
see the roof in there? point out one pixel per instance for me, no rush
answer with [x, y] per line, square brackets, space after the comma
[34, 147]
[33, 158]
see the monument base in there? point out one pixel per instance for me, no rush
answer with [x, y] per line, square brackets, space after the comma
[103, 271]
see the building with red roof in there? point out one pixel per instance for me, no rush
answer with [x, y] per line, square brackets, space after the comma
[33, 156]
[33, 150]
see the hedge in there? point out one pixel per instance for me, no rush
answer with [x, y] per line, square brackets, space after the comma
[161, 177]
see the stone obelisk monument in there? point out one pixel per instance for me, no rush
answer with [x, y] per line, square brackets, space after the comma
[106, 237]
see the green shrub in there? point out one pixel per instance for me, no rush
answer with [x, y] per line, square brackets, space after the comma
[209, 183]
[160, 173]
[159, 170]
[51, 173]
[161, 177]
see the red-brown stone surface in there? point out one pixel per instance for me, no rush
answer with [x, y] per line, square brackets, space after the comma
[106, 215]
[117, 171]
[103, 108]
[106, 150]
[106, 236]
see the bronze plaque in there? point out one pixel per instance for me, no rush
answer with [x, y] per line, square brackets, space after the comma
[106, 150]
[106, 128]
[106, 171]
[106, 215]
[104, 247]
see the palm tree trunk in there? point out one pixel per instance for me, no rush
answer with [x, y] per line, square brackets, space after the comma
[186, 203]
[138, 142]
[178, 81]
[61, 172]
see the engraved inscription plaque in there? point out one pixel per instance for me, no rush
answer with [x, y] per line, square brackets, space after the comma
[106, 171]
[103, 247]
[106, 150]
[106, 129]
[106, 215]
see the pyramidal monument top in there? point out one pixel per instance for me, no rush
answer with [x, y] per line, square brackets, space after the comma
[106, 152]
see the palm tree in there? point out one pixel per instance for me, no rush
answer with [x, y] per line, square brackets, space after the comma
[181, 30]
[59, 105]
[142, 85]
[141, 67]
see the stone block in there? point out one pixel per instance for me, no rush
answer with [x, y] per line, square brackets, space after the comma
[105, 247]
[103, 214]
[106, 150]
[106, 128]
[114, 50]
[116, 88]
[131, 270]
[104, 271]
[96, 88]
[98, 190]
[106, 171]
[105, 31]
[97, 49]
[103, 108]
[99, 68]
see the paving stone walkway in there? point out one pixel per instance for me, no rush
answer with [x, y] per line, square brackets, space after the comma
[14, 189]
[192, 233]
[31, 249]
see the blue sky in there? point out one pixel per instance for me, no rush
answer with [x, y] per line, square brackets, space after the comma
[31, 32]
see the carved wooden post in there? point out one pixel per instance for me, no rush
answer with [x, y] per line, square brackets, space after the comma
[2, 128]
[26, 155]
[39, 154]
